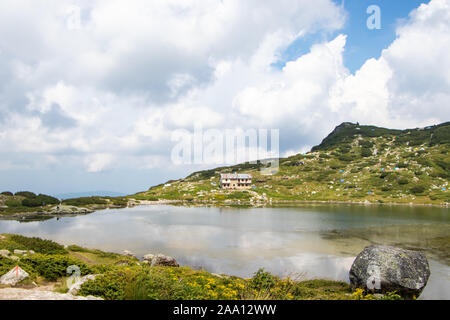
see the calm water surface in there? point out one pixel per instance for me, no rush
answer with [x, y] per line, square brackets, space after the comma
[311, 241]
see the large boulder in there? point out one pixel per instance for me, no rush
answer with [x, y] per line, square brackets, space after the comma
[129, 254]
[18, 252]
[382, 269]
[160, 260]
[4, 253]
[14, 276]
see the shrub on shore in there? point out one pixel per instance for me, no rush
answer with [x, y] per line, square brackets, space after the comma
[84, 201]
[38, 245]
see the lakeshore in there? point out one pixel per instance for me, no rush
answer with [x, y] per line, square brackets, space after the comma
[317, 241]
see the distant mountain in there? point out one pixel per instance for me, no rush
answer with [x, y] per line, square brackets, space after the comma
[347, 131]
[72, 195]
[354, 163]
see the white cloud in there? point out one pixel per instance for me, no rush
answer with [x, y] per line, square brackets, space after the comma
[119, 77]
[98, 162]
[409, 85]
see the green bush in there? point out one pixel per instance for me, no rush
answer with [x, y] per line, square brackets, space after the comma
[263, 280]
[7, 193]
[366, 144]
[441, 135]
[6, 265]
[402, 165]
[346, 157]
[418, 189]
[31, 202]
[37, 245]
[366, 152]
[162, 283]
[335, 165]
[110, 286]
[239, 195]
[47, 200]
[83, 201]
[384, 175]
[26, 194]
[403, 181]
[53, 267]
[13, 203]
[119, 201]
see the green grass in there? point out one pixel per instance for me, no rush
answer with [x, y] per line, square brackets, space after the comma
[138, 281]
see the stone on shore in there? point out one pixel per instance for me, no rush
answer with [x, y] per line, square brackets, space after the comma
[128, 253]
[36, 294]
[4, 253]
[14, 276]
[160, 260]
[383, 269]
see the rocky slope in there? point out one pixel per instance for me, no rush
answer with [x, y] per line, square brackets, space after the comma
[355, 163]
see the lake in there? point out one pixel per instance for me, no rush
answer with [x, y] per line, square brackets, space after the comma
[314, 241]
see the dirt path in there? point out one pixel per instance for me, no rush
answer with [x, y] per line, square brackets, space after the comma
[38, 294]
[85, 259]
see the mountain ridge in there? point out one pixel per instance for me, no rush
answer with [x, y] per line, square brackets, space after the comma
[354, 163]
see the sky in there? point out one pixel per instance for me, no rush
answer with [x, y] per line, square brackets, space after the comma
[91, 92]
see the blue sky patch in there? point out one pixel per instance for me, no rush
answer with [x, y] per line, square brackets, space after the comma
[362, 43]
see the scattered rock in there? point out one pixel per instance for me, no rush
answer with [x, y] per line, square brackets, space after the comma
[31, 252]
[20, 252]
[75, 288]
[161, 260]
[36, 294]
[2, 237]
[122, 263]
[14, 276]
[383, 269]
[4, 253]
[128, 253]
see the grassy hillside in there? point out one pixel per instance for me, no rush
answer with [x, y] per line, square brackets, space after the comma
[354, 163]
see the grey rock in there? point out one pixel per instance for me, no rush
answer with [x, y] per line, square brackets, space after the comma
[38, 294]
[383, 269]
[4, 253]
[161, 260]
[20, 252]
[128, 253]
[14, 276]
